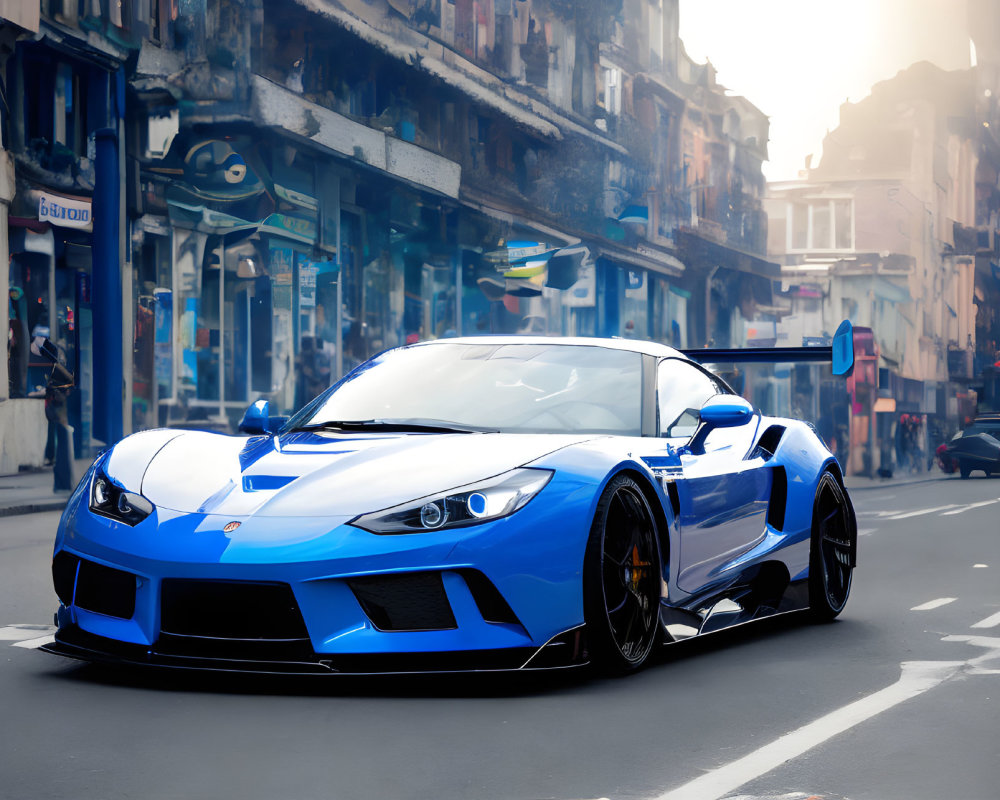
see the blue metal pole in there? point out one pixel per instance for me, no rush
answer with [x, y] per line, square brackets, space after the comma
[106, 293]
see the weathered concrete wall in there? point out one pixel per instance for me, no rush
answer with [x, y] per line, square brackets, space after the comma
[275, 106]
[23, 429]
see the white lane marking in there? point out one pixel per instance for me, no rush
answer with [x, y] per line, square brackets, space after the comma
[867, 531]
[980, 566]
[15, 633]
[963, 509]
[917, 677]
[33, 643]
[923, 511]
[976, 665]
[931, 604]
[989, 622]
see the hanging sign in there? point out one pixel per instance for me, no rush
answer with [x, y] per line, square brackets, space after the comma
[64, 211]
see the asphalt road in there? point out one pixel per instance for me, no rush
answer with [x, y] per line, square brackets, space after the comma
[781, 708]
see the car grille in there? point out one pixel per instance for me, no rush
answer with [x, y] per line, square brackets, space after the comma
[230, 610]
[411, 602]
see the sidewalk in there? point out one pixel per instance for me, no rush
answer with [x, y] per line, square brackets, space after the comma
[858, 482]
[31, 492]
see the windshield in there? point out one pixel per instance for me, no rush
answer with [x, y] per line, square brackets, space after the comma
[513, 388]
[993, 429]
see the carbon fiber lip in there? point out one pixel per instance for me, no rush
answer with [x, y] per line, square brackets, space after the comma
[97, 649]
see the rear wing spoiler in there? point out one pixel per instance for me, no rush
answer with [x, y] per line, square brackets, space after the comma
[840, 353]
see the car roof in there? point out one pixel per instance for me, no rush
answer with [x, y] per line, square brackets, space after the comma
[614, 343]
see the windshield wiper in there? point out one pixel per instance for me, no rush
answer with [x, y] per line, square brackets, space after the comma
[393, 426]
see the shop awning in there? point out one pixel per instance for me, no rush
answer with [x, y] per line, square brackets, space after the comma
[651, 259]
[205, 220]
[699, 251]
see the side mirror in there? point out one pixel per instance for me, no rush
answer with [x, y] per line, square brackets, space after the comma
[257, 420]
[720, 411]
[843, 349]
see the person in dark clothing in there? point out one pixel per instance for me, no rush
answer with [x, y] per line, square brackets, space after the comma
[17, 342]
[59, 442]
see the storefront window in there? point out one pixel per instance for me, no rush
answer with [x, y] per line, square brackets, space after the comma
[436, 302]
[49, 296]
[579, 303]
[189, 254]
[399, 278]
[483, 291]
[235, 306]
[28, 309]
[150, 277]
[384, 301]
[283, 261]
[668, 323]
[635, 308]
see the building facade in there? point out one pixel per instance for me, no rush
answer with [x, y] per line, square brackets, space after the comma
[304, 183]
[886, 232]
[318, 181]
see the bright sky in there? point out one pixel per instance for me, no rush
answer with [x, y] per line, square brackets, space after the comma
[798, 60]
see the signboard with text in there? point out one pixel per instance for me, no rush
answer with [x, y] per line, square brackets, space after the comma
[64, 211]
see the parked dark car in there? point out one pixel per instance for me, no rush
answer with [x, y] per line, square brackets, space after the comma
[978, 446]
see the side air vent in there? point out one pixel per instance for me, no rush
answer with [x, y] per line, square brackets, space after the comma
[767, 444]
[779, 497]
[491, 604]
[675, 500]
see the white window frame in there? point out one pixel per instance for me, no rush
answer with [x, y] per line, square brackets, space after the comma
[812, 203]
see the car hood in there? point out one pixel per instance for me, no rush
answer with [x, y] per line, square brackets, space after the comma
[310, 474]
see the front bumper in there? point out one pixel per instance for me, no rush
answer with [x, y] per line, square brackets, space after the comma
[318, 596]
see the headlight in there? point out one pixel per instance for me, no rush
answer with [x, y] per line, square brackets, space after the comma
[113, 502]
[468, 505]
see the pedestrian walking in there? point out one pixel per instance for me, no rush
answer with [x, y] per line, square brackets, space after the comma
[59, 440]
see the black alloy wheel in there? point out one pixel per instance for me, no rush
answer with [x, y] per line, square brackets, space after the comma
[964, 469]
[831, 555]
[622, 578]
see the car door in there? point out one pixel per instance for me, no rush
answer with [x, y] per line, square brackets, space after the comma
[721, 495]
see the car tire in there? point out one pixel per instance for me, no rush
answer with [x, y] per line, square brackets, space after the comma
[964, 469]
[622, 579]
[831, 552]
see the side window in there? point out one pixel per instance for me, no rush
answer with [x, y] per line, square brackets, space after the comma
[681, 391]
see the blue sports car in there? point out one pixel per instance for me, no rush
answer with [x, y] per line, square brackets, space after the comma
[487, 503]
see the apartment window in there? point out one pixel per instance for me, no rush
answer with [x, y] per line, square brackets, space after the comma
[55, 105]
[656, 34]
[843, 228]
[612, 98]
[799, 212]
[821, 227]
[826, 224]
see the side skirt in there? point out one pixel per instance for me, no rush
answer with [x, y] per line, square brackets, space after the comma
[736, 604]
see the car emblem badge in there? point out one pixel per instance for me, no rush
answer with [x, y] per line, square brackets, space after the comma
[231, 526]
